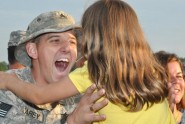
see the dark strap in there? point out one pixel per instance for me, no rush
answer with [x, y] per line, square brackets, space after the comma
[33, 105]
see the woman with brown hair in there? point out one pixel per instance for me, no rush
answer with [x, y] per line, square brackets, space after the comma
[174, 69]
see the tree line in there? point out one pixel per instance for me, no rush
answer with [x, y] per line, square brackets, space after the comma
[3, 66]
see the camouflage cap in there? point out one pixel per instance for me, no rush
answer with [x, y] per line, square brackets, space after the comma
[53, 21]
[15, 37]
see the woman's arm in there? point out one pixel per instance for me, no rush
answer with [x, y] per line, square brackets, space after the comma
[38, 94]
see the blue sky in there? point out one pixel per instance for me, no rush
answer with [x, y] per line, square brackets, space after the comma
[163, 21]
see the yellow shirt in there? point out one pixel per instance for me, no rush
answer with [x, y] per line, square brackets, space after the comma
[157, 114]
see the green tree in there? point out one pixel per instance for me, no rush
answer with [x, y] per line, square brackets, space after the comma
[3, 66]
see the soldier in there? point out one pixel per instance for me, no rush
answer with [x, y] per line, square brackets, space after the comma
[48, 51]
[15, 37]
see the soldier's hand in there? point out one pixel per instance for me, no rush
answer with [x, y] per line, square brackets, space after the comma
[88, 105]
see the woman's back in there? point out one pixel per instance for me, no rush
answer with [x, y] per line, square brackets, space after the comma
[157, 114]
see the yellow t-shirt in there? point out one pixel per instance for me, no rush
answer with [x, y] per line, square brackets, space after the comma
[157, 114]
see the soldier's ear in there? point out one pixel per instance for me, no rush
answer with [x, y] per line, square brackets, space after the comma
[31, 49]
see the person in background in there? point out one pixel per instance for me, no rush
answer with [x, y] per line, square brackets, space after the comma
[15, 37]
[174, 69]
[49, 50]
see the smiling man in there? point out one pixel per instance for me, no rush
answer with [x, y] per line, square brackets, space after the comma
[48, 51]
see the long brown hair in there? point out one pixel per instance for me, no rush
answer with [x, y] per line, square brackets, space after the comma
[119, 58]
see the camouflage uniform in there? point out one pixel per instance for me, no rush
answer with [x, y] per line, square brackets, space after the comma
[14, 110]
[70, 103]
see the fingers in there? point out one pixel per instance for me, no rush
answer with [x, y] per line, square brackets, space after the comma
[94, 96]
[99, 105]
[97, 95]
[90, 89]
[97, 118]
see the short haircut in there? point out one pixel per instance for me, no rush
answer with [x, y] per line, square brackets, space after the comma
[11, 57]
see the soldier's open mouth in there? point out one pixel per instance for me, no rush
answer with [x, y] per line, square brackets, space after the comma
[61, 64]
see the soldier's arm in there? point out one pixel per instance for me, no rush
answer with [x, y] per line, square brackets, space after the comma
[39, 94]
[3, 77]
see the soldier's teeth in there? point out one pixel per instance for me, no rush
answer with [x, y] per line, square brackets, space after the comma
[64, 60]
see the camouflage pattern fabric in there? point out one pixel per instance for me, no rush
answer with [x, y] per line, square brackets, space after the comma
[22, 112]
[15, 37]
[70, 103]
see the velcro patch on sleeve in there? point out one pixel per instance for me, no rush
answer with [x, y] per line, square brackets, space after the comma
[4, 108]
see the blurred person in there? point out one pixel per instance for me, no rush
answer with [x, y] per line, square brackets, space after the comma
[15, 37]
[48, 51]
[174, 69]
[114, 46]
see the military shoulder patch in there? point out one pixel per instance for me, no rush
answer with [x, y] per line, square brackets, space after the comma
[4, 108]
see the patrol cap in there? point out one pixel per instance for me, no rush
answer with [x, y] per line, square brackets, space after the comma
[49, 22]
[15, 37]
